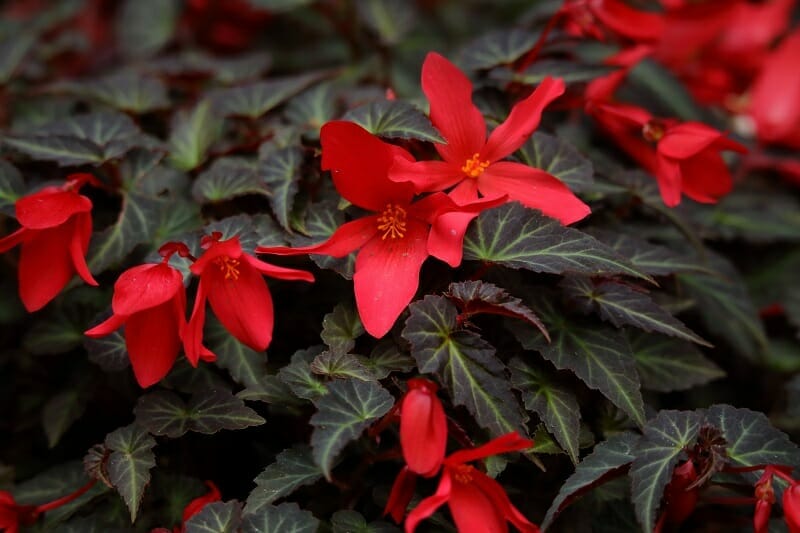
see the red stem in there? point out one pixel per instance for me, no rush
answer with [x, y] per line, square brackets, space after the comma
[533, 53]
[55, 504]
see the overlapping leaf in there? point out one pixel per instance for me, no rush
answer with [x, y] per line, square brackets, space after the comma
[286, 517]
[292, 469]
[394, 119]
[341, 327]
[216, 517]
[667, 364]
[255, 99]
[129, 464]
[558, 158]
[245, 365]
[226, 178]
[346, 521]
[280, 171]
[12, 186]
[192, 133]
[497, 48]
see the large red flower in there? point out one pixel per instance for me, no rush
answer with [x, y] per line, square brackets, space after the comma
[56, 227]
[472, 162]
[477, 502]
[423, 427]
[232, 282]
[150, 301]
[396, 239]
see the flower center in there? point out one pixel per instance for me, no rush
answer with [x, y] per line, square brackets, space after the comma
[229, 267]
[463, 474]
[392, 222]
[653, 131]
[474, 167]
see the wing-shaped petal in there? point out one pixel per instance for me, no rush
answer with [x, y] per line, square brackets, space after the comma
[347, 238]
[426, 176]
[45, 265]
[153, 342]
[50, 207]
[145, 286]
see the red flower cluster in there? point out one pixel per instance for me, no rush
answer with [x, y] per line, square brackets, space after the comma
[477, 502]
[56, 227]
[404, 230]
[765, 498]
[150, 301]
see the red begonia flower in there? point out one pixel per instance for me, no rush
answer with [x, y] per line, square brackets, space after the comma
[394, 241]
[423, 427]
[401, 494]
[56, 227]
[471, 162]
[791, 507]
[775, 96]
[599, 18]
[765, 498]
[150, 301]
[232, 282]
[679, 503]
[477, 502]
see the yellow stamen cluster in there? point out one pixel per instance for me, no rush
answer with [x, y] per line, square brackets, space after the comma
[474, 167]
[392, 222]
[653, 131]
[229, 267]
[463, 474]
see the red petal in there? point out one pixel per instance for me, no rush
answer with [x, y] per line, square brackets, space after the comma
[359, 163]
[79, 245]
[534, 188]
[495, 493]
[446, 238]
[10, 241]
[774, 100]
[108, 326]
[449, 92]
[401, 494]
[510, 442]
[705, 177]
[50, 207]
[630, 23]
[231, 248]
[45, 265]
[347, 238]
[669, 178]
[472, 511]
[196, 505]
[423, 431]
[145, 286]
[690, 138]
[428, 506]
[153, 342]
[426, 176]
[277, 272]
[193, 332]
[243, 305]
[387, 276]
[522, 121]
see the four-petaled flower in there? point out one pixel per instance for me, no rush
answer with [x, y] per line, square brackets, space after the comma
[423, 427]
[56, 227]
[472, 163]
[231, 280]
[477, 502]
[397, 238]
[150, 301]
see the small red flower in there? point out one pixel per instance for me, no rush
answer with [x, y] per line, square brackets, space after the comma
[423, 427]
[477, 502]
[56, 227]
[395, 240]
[232, 282]
[765, 498]
[679, 502]
[791, 507]
[150, 301]
[472, 163]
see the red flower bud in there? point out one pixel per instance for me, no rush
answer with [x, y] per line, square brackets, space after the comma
[791, 507]
[679, 502]
[765, 497]
[423, 427]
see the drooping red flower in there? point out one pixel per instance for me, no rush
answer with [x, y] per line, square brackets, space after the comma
[774, 103]
[56, 228]
[231, 280]
[395, 240]
[604, 19]
[765, 498]
[679, 502]
[684, 157]
[791, 507]
[150, 301]
[423, 427]
[477, 502]
[472, 163]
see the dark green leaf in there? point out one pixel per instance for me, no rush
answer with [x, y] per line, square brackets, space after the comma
[517, 237]
[622, 305]
[567, 70]
[216, 517]
[126, 91]
[129, 464]
[273, 391]
[145, 26]
[391, 20]
[57, 333]
[136, 225]
[226, 178]
[667, 365]
[340, 365]
[165, 413]
[599, 356]
[346, 521]
[558, 158]
[109, 352]
[292, 469]
[607, 458]
[751, 439]
[280, 171]
[245, 365]
[313, 108]
[554, 402]
[386, 358]
[61, 411]
[472, 373]
[476, 297]
[342, 414]
[497, 48]
[192, 134]
[280, 5]
[322, 220]
[13, 49]
[255, 99]
[341, 327]
[54, 483]
[286, 517]
[66, 151]
[297, 375]
[725, 295]
[394, 119]
[242, 226]
[667, 88]
[12, 187]
[665, 437]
